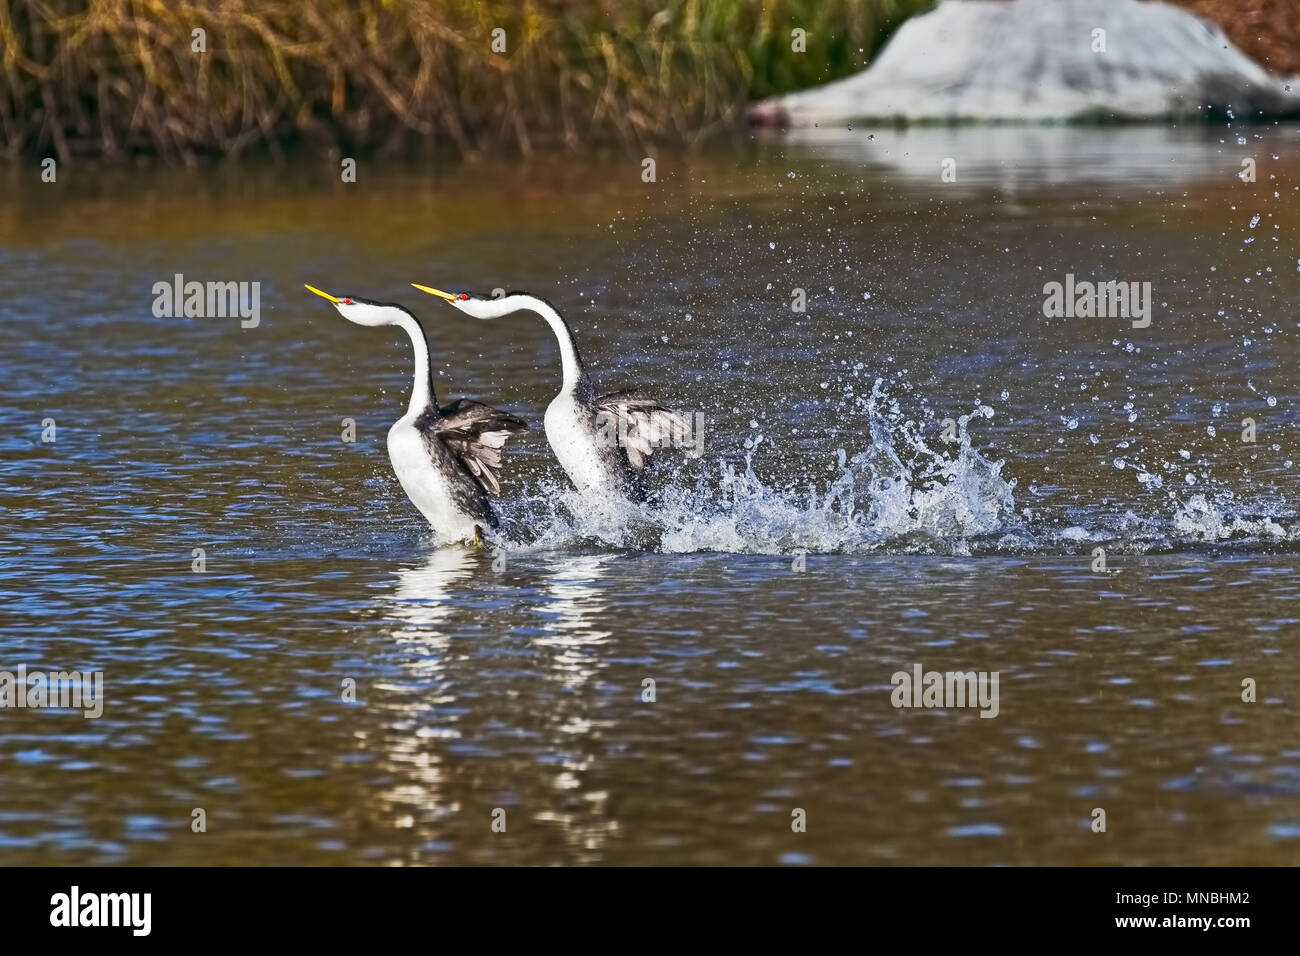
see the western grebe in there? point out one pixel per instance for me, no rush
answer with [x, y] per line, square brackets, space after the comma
[601, 442]
[445, 458]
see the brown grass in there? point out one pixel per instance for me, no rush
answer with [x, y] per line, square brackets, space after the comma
[113, 78]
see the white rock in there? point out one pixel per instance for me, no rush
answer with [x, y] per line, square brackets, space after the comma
[1034, 61]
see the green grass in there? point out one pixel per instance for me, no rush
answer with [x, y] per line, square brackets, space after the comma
[115, 78]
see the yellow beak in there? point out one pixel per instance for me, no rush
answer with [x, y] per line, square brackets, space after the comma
[446, 295]
[323, 295]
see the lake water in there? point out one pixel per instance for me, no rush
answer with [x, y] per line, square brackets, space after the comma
[511, 679]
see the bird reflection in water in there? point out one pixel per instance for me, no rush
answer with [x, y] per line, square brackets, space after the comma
[416, 706]
[574, 607]
[423, 707]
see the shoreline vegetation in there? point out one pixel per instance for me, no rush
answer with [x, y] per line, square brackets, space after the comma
[115, 79]
[118, 78]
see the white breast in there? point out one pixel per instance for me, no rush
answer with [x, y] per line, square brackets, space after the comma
[576, 449]
[425, 485]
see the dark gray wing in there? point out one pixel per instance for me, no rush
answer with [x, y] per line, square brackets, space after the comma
[642, 422]
[476, 433]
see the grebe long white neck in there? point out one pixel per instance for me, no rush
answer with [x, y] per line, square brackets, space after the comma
[376, 313]
[422, 396]
[575, 374]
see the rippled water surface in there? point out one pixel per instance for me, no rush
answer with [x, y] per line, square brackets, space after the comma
[513, 678]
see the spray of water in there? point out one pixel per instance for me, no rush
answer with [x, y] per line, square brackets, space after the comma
[896, 493]
[900, 493]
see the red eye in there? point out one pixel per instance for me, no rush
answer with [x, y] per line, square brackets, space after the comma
[347, 301]
[464, 296]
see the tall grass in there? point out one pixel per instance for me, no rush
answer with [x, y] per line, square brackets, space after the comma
[119, 77]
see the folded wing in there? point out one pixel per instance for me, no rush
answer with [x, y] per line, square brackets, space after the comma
[642, 423]
[476, 433]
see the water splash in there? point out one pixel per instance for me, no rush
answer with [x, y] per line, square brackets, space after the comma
[900, 493]
[897, 493]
